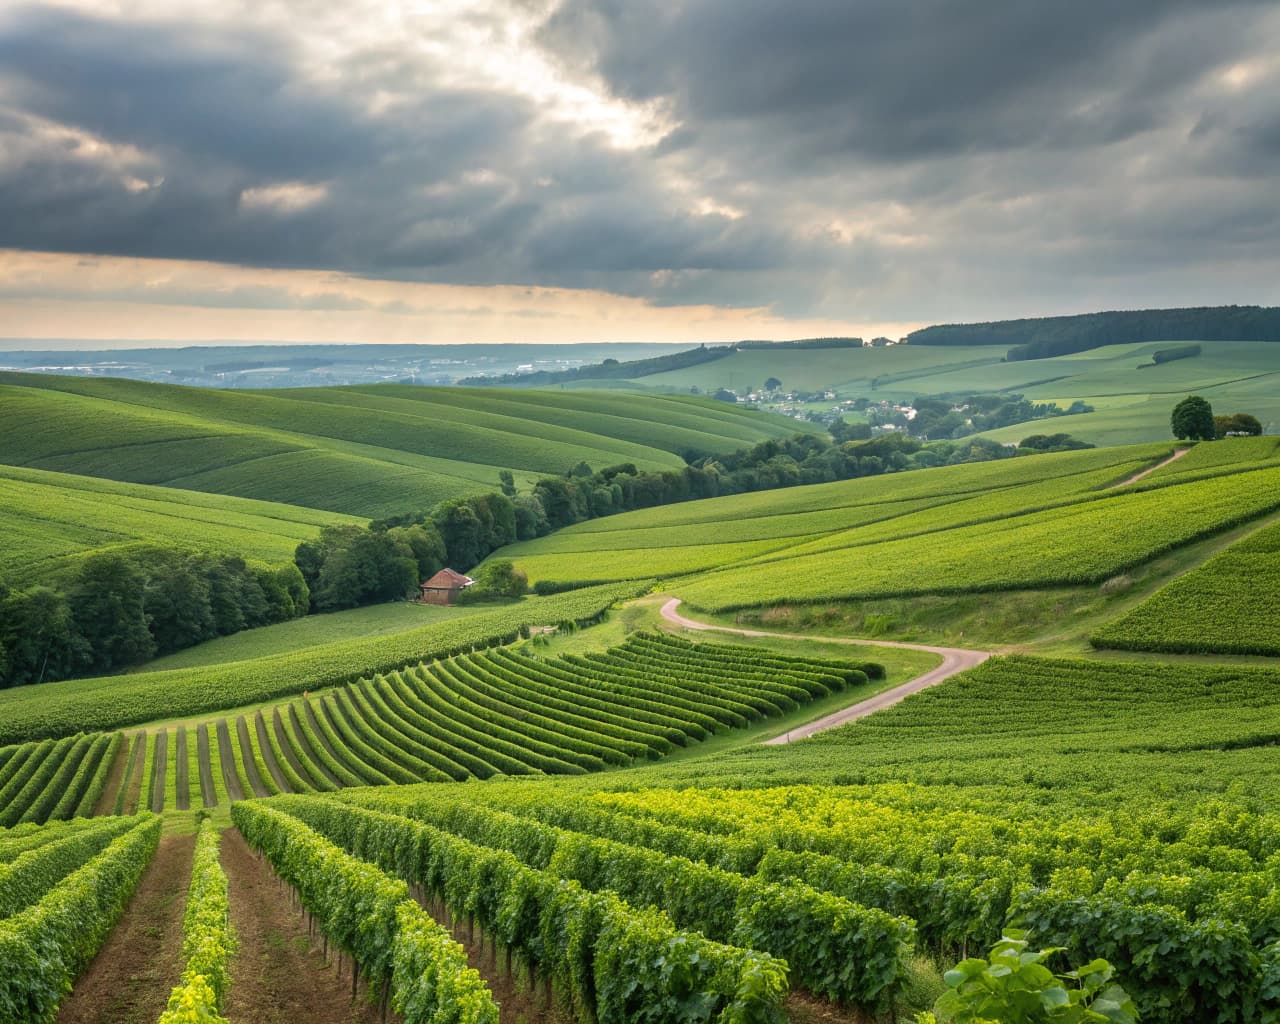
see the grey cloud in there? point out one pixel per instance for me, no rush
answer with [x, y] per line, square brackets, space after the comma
[922, 160]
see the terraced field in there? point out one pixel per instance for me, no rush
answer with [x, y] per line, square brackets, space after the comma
[1044, 521]
[366, 451]
[500, 712]
[51, 520]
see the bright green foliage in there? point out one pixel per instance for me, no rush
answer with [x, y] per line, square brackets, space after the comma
[26, 878]
[372, 917]
[842, 951]
[1016, 987]
[108, 702]
[616, 962]
[1082, 543]
[1124, 811]
[476, 715]
[961, 529]
[207, 941]
[48, 780]
[1226, 606]
[498, 580]
[45, 946]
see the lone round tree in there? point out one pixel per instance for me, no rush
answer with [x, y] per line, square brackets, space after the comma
[1192, 419]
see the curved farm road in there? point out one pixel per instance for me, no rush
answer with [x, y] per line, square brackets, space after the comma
[954, 660]
[1147, 472]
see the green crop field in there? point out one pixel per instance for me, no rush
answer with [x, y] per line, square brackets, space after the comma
[50, 520]
[1229, 605]
[367, 451]
[1044, 521]
[612, 788]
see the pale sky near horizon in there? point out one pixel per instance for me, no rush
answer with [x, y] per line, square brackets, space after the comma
[606, 170]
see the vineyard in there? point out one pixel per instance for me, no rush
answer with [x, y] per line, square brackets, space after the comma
[927, 827]
[110, 702]
[1226, 606]
[62, 888]
[497, 712]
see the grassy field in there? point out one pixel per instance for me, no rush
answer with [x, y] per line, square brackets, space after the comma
[366, 451]
[312, 631]
[51, 520]
[1043, 522]
[1132, 405]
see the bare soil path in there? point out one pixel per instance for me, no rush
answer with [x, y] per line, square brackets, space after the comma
[250, 765]
[182, 771]
[129, 980]
[227, 758]
[279, 974]
[1147, 472]
[115, 779]
[954, 660]
[208, 793]
[159, 761]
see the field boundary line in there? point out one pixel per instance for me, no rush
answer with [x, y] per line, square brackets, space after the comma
[954, 661]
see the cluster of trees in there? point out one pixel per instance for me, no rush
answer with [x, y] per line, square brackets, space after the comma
[349, 566]
[1062, 335]
[1193, 420]
[120, 608]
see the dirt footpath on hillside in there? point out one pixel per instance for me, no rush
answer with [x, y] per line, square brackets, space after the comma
[130, 979]
[279, 975]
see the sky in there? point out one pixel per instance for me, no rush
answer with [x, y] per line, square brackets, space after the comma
[615, 170]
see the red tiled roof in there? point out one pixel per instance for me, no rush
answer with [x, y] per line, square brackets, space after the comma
[447, 579]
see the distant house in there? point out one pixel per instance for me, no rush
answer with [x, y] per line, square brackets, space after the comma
[444, 587]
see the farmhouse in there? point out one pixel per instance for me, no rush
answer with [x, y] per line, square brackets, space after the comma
[444, 587]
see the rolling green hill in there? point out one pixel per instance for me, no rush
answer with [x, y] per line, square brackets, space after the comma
[1041, 521]
[369, 451]
[50, 520]
[1131, 405]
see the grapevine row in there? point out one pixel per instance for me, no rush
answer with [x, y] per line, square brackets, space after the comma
[616, 962]
[45, 946]
[207, 942]
[372, 916]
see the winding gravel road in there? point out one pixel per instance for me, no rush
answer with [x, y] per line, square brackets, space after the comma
[954, 660]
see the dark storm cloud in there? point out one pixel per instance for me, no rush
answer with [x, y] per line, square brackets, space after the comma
[888, 79]
[879, 159]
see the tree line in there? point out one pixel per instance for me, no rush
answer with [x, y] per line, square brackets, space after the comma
[119, 608]
[1042, 337]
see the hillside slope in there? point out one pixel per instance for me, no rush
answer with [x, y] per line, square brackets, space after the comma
[1039, 521]
[50, 520]
[367, 451]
